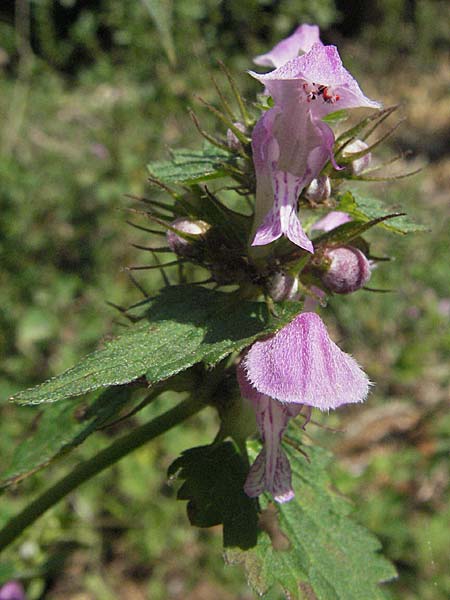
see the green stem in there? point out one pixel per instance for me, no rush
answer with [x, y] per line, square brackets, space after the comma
[89, 468]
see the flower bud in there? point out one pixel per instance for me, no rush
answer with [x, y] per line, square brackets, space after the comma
[232, 140]
[283, 287]
[319, 189]
[360, 164]
[349, 270]
[181, 246]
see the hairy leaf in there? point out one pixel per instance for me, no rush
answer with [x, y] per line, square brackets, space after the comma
[182, 326]
[367, 208]
[191, 166]
[310, 546]
[214, 479]
[60, 428]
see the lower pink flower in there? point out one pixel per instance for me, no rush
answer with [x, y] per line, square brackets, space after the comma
[298, 366]
[12, 590]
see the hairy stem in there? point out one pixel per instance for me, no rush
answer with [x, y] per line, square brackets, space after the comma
[101, 461]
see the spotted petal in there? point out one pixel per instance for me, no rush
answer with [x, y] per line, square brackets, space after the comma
[277, 191]
[271, 470]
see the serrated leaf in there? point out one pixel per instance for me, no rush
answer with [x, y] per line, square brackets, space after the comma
[214, 479]
[60, 428]
[368, 208]
[330, 557]
[191, 166]
[182, 326]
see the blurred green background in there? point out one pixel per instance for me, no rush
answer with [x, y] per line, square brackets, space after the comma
[92, 90]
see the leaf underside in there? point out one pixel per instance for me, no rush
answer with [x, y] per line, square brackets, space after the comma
[182, 326]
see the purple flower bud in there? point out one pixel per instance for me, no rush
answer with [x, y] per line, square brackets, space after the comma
[283, 287]
[319, 189]
[233, 141]
[349, 270]
[360, 164]
[179, 245]
[12, 590]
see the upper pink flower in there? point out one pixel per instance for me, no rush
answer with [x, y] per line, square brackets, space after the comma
[291, 143]
[299, 42]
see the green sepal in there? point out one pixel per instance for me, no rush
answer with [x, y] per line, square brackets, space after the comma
[338, 116]
[349, 231]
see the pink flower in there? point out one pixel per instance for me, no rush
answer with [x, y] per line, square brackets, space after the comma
[332, 220]
[291, 143]
[12, 591]
[271, 470]
[299, 365]
[299, 42]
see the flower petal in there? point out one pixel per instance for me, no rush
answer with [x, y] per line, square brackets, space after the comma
[282, 217]
[302, 365]
[321, 66]
[271, 470]
[277, 191]
[300, 41]
[12, 590]
[332, 220]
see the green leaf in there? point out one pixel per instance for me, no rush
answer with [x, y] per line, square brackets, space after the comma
[214, 487]
[367, 208]
[182, 326]
[60, 428]
[322, 553]
[191, 166]
[349, 231]
[7, 572]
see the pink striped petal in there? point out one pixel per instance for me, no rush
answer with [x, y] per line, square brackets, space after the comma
[300, 364]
